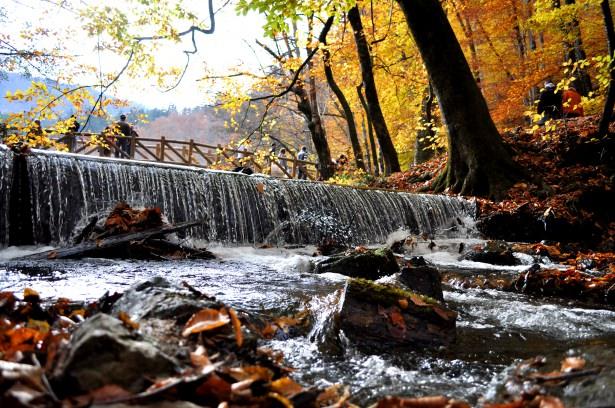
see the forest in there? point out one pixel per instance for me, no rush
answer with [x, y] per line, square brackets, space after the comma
[452, 243]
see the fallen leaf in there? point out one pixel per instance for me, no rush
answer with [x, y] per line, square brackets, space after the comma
[418, 301]
[236, 327]
[206, 319]
[251, 373]
[422, 402]
[281, 400]
[513, 404]
[572, 364]
[127, 321]
[286, 387]
[397, 319]
[109, 393]
[550, 402]
[30, 295]
[199, 358]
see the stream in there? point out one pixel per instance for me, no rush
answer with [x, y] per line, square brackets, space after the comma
[495, 329]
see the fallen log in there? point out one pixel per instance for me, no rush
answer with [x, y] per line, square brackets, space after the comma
[92, 247]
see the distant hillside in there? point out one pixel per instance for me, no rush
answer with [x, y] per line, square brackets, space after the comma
[12, 82]
[202, 124]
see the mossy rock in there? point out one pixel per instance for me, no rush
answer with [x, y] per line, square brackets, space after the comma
[384, 317]
[370, 264]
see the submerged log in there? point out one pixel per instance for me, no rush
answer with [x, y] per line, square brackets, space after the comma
[102, 246]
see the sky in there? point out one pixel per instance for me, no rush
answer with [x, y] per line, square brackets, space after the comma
[227, 48]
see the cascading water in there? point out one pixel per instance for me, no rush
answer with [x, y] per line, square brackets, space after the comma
[6, 178]
[67, 190]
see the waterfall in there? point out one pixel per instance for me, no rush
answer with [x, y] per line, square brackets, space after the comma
[6, 178]
[66, 190]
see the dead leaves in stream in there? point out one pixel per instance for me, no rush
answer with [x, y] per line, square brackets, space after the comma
[222, 369]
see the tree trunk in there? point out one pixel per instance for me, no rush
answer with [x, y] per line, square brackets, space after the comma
[375, 112]
[423, 150]
[478, 163]
[319, 138]
[352, 127]
[370, 128]
[607, 113]
[368, 159]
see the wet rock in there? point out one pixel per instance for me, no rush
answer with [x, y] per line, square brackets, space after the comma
[423, 279]
[363, 263]
[103, 351]
[382, 317]
[158, 298]
[493, 252]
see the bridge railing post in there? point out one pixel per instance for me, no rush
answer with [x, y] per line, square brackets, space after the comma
[191, 151]
[162, 143]
[133, 146]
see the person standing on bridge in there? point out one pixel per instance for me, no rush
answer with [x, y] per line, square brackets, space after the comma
[123, 142]
[303, 156]
[73, 128]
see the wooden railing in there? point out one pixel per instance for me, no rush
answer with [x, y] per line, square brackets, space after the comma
[189, 153]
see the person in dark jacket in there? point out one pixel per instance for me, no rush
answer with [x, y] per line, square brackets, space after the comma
[73, 128]
[123, 142]
[550, 103]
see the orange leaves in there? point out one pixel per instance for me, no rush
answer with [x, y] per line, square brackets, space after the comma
[397, 319]
[417, 300]
[286, 387]
[284, 324]
[541, 401]
[422, 402]
[236, 327]
[123, 316]
[572, 364]
[206, 319]
[211, 319]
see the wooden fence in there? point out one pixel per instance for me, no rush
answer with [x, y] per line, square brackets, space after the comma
[189, 153]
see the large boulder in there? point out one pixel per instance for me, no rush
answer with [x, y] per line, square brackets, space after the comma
[383, 317]
[422, 278]
[103, 351]
[362, 263]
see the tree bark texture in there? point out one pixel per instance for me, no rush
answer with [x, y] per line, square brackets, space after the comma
[423, 150]
[479, 163]
[368, 160]
[375, 112]
[607, 112]
[352, 127]
[370, 128]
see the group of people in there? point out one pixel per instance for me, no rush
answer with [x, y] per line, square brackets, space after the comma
[121, 133]
[282, 159]
[554, 104]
